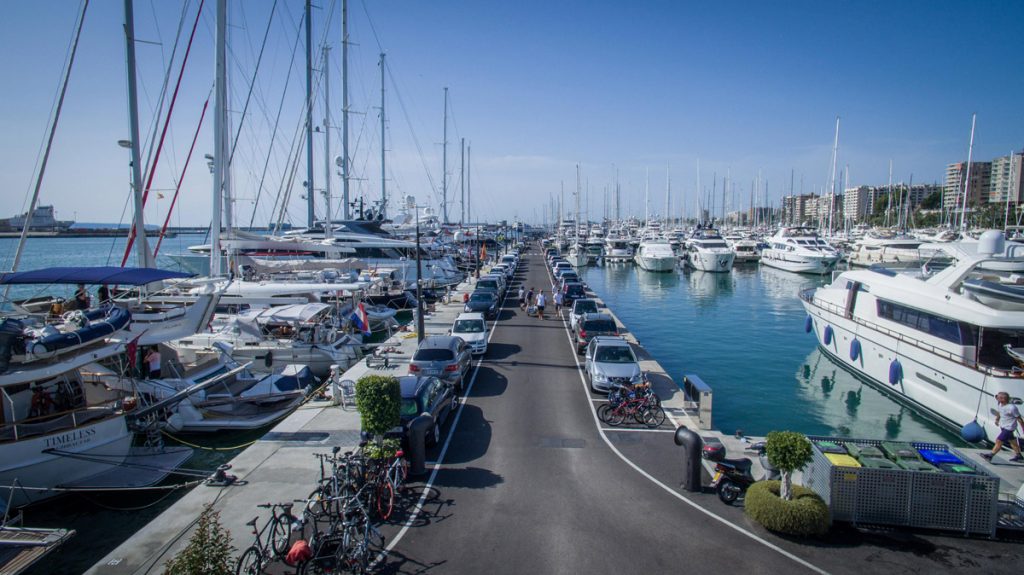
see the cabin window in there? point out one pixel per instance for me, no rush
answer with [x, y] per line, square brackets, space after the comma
[934, 325]
[993, 347]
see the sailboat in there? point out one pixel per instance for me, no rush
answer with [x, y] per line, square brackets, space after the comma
[578, 256]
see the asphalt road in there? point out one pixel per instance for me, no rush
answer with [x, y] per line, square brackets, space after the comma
[528, 484]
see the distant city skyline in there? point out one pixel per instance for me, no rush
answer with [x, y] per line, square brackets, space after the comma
[658, 88]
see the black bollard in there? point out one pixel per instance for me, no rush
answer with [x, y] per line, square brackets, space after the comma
[692, 444]
[418, 429]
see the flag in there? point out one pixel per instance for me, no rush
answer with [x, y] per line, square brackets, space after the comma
[159, 196]
[483, 252]
[132, 349]
[360, 320]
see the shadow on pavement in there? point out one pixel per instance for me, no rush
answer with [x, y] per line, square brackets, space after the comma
[489, 383]
[502, 350]
[468, 478]
[472, 439]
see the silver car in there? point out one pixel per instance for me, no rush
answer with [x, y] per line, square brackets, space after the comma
[443, 356]
[610, 361]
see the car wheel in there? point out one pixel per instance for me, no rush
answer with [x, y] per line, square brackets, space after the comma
[436, 433]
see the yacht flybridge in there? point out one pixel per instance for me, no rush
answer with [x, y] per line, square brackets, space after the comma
[938, 341]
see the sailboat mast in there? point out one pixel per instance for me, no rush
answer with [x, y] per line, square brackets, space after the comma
[144, 256]
[310, 195]
[444, 161]
[469, 188]
[967, 177]
[832, 190]
[220, 158]
[462, 184]
[383, 172]
[328, 232]
[345, 176]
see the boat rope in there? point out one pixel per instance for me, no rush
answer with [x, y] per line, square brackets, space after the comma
[148, 505]
[184, 170]
[107, 461]
[208, 448]
[981, 395]
[173, 487]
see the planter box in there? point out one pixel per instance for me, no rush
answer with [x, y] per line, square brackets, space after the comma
[964, 502]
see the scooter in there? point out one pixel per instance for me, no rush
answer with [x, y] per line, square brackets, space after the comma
[733, 476]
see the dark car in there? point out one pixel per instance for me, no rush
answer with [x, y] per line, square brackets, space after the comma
[485, 302]
[427, 395]
[572, 291]
[592, 325]
[491, 284]
[443, 356]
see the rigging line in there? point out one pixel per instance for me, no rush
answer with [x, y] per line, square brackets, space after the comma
[255, 72]
[184, 170]
[49, 145]
[408, 121]
[163, 132]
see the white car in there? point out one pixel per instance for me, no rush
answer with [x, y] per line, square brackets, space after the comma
[580, 307]
[472, 328]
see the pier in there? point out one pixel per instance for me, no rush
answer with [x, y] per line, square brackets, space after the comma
[526, 479]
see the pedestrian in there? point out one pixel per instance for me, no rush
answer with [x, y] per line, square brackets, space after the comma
[558, 302]
[103, 295]
[1007, 419]
[529, 297]
[541, 300]
[522, 298]
[81, 298]
[152, 360]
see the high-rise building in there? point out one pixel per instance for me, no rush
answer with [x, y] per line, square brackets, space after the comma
[977, 188]
[857, 203]
[1006, 180]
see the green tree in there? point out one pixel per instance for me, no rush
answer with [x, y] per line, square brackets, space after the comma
[932, 202]
[209, 550]
[788, 451]
[379, 400]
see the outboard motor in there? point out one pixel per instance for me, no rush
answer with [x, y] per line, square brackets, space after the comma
[11, 338]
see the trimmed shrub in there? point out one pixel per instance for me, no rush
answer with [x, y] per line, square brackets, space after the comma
[788, 451]
[209, 550]
[379, 399]
[805, 515]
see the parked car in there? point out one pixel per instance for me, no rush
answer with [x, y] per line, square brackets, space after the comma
[444, 356]
[569, 277]
[592, 325]
[491, 284]
[483, 301]
[472, 328]
[427, 395]
[610, 360]
[560, 272]
[511, 261]
[502, 280]
[559, 265]
[573, 291]
[580, 307]
[500, 269]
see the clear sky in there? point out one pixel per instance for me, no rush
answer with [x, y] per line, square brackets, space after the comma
[535, 88]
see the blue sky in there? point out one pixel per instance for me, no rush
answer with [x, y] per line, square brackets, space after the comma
[535, 87]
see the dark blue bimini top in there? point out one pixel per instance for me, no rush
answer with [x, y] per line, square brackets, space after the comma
[91, 275]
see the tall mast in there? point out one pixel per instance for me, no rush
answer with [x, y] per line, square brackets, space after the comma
[832, 191]
[469, 188]
[220, 157]
[145, 257]
[888, 206]
[383, 172]
[328, 231]
[967, 177]
[668, 191]
[310, 195]
[462, 183]
[344, 112]
[444, 162]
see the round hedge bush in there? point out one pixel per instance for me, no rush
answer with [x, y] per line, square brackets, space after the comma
[806, 515]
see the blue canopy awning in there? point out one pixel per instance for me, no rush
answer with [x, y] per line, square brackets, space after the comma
[91, 275]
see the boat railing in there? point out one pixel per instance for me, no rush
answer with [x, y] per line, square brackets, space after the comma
[52, 422]
[808, 296]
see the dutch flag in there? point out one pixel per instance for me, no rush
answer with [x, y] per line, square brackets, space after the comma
[360, 319]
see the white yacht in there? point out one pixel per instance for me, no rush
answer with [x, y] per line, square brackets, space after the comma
[594, 246]
[707, 251]
[577, 256]
[929, 339]
[617, 249]
[888, 250]
[744, 247]
[799, 249]
[656, 255]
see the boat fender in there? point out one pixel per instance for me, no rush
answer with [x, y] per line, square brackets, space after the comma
[895, 372]
[268, 360]
[972, 432]
[175, 423]
[808, 324]
[855, 349]
[828, 335]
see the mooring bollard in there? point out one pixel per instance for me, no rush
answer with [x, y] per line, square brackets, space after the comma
[418, 429]
[692, 444]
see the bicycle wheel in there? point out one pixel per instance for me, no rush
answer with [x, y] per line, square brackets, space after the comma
[281, 534]
[617, 415]
[654, 416]
[603, 411]
[317, 502]
[385, 499]
[251, 562]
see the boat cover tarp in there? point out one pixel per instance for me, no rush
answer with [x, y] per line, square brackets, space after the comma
[295, 313]
[91, 275]
[266, 265]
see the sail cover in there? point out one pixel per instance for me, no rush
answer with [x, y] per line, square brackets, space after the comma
[91, 275]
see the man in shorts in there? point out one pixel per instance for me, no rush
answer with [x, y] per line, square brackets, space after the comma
[522, 298]
[541, 300]
[1007, 418]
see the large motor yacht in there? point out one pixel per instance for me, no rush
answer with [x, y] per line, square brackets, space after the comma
[799, 249]
[707, 251]
[933, 340]
[617, 248]
[656, 255]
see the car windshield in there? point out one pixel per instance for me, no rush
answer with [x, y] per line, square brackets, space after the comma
[615, 354]
[586, 307]
[487, 284]
[433, 355]
[487, 297]
[574, 289]
[409, 407]
[468, 326]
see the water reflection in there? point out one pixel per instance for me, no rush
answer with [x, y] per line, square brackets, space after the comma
[706, 286]
[783, 285]
[657, 285]
[853, 408]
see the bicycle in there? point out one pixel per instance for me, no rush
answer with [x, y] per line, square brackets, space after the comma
[639, 403]
[273, 546]
[346, 546]
[388, 478]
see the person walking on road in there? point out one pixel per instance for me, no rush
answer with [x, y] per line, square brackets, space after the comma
[1007, 418]
[541, 300]
[558, 302]
[522, 298]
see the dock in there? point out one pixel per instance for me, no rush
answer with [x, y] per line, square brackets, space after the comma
[527, 479]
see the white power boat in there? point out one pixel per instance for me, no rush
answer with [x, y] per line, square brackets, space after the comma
[656, 255]
[577, 256]
[799, 249]
[707, 251]
[617, 249]
[888, 251]
[744, 247]
[311, 334]
[927, 338]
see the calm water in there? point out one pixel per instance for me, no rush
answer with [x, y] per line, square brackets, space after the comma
[743, 334]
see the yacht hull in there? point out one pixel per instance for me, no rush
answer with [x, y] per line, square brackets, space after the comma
[799, 264]
[656, 264]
